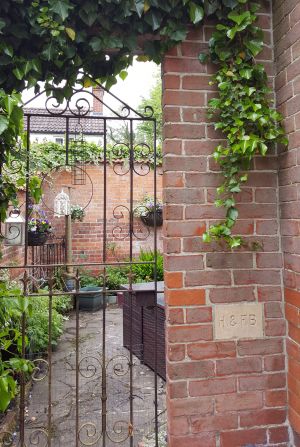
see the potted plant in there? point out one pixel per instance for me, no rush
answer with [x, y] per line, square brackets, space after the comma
[38, 227]
[77, 213]
[150, 212]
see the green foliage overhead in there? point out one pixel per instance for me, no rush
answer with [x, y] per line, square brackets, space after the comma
[59, 41]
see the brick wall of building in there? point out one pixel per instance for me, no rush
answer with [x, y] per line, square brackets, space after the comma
[87, 236]
[220, 393]
[287, 84]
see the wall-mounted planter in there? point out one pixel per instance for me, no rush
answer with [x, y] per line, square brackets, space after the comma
[35, 239]
[148, 219]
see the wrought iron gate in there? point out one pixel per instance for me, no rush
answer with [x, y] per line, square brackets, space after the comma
[94, 388]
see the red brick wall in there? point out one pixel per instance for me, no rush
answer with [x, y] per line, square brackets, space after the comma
[88, 235]
[287, 84]
[220, 393]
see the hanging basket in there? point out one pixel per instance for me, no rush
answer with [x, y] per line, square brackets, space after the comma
[148, 219]
[37, 238]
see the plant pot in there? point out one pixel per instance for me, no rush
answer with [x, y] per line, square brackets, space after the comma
[37, 238]
[91, 301]
[148, 219]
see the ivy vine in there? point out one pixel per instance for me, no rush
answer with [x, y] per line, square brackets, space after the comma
[55, 40]
[242, 111]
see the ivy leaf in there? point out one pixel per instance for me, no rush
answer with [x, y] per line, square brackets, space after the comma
[18, 73]
[35, 188]
[154, 19]
[123, 74]
[96, 43]
[71, 33]
[196, 12]
[255, 46]
[3, 123]
[139, 7]
[2, 24]
[235, 242]
[61, 7]
[146, 6]
[203, 58]
[232, 214]
[246, 73]
[238, 18]
[206, 237]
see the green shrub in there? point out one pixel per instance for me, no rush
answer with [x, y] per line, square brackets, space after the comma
[115, 277]
[87, 279]
[145, 272]
[63, 303]
[38, 324]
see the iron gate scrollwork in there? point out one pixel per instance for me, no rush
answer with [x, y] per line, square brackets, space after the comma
[103, 395]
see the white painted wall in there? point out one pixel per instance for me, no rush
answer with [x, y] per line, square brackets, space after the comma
[44, 137]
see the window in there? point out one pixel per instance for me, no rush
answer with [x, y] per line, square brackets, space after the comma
[59, 141]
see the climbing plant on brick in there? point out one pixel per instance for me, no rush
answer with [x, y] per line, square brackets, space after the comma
[61, 41]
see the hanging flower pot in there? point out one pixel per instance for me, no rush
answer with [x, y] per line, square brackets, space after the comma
[148, 218]
[37, 238]
[149, 211]
[39, 228]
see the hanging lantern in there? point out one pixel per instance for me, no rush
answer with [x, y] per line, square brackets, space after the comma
[62, 204]
[14, 229]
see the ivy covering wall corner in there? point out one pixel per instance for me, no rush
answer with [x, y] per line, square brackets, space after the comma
[55, 40]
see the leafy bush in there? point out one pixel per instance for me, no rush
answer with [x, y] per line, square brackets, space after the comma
[142, 272]
[63, 303]
[115, 277]
[38, 322]
[36, 310]
[87, 279]
[145, 272]
[12, 306]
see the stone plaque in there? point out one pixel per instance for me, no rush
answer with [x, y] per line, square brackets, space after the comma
[242, 320]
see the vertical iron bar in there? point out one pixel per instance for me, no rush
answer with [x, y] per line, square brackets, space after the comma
[131, 164]
[50, 277]
[23, 318]
[155, 291]
[77, 362]
[67, 139]
[104, 382]
[27, 190]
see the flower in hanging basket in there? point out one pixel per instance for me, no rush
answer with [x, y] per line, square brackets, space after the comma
[77, 213]
[38, 227]
[149, 211]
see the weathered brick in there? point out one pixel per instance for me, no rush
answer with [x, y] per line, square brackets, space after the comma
[260, 347]
[212, 387]
[240, 401]
[199, 315]
[232, 294]
[243, 437]
[263, 417]
[262, 382]
[191, 370]
[187, 297]
[217, 422]
[238, 366]
[182, 334]
[211, 350]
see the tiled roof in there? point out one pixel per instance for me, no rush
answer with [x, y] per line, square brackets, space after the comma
[54, 124]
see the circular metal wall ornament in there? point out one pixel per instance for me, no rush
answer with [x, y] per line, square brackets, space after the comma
[61, 168]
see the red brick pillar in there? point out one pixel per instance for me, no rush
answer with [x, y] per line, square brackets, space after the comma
[287, 83]
[220, 392]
